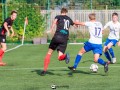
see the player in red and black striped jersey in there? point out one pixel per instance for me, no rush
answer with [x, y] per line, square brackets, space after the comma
[60, 38]
[5, 29]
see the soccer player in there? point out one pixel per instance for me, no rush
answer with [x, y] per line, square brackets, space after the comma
[60, 38]
[114, 27]
[94, 43]
[5, 30]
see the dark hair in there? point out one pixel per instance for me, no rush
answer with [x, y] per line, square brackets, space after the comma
[114, 14]
[64, 10]
[13, 12]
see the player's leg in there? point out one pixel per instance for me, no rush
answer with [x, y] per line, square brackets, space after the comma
[2, 50]
[100, 61]
[47, 59]
[97, 52]
[86, 48]
[77, 59]
[61, 51]
[107, 45]
[52, 47]
[106, 53]
[61, 56]
[111, 51]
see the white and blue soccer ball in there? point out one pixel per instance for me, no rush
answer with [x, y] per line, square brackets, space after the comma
[94, 68]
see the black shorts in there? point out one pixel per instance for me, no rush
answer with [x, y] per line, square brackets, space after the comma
[2, 38]
[59, 43]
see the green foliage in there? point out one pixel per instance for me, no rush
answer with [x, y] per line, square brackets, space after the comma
[0, 14]
[36, 24]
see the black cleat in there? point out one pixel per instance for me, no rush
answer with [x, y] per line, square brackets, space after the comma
[67, 59]
[43, 73]
[72, 68]
[106, 67]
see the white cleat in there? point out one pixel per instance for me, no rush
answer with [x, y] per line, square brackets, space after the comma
[113, 60]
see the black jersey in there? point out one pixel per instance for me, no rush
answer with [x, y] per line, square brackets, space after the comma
[9, 24]
[63, 25]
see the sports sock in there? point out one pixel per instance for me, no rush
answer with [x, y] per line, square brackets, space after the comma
[111, 52]
[77, 60]
[1, 52]
[107, 55]
[46, 61]
[62, 57]
[1, 56]
[101, 61]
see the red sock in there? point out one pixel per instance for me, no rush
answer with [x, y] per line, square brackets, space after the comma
[1, 56]
[46, 61]
[62, 57]
[1, 52]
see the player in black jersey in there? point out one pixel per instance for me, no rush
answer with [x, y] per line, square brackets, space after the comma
[60, 38]
[6, 28]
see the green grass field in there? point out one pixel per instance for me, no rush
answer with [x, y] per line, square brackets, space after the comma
[25, 64]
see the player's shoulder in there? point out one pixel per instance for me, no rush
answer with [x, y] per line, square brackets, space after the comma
[110, 22]
[118, 23]
[7, 19]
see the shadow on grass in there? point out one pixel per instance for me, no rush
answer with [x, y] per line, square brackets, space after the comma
[67, 72]
[84, 61]
[83, 72]
[39, 72]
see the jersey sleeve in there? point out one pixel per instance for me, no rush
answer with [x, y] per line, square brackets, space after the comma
[57, 17]
[71, 22]
[87, 24]
[107, 25]
[7, 20]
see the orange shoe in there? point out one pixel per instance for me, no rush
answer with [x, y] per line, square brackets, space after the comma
[2, 64]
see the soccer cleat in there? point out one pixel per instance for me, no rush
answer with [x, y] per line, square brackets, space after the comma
[72, 68]
[2, 64]
[67, 59]
[106, 67]
[113, 60]
[43, 73]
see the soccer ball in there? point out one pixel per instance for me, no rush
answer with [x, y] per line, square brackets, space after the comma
[94, 67]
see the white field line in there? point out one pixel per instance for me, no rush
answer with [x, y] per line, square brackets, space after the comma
[13, 69]
[14, 48]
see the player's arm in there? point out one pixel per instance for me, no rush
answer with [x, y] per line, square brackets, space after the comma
[79, 23]
[53, 25]
[106, 26]
[12, 32]
[6, 28]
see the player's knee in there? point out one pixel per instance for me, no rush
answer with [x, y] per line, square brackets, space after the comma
[95, 60]
[4, 48]
[81, 52]
[105, 49]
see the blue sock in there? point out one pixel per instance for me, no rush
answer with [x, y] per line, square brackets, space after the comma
[107, 55]
[102, 62]
[77, 60]
[111, 52]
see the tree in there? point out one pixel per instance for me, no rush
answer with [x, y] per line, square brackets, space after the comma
[36, 21]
